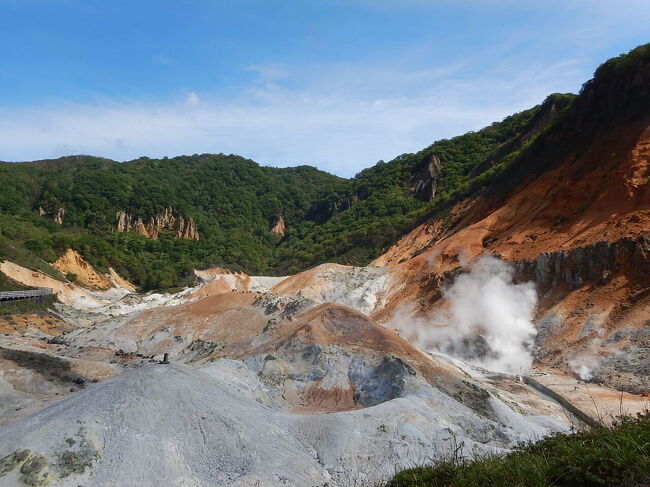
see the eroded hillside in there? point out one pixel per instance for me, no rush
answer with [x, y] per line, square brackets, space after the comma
[526, 265]
[572, 216]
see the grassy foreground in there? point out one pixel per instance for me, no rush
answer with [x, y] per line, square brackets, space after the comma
[616, 456]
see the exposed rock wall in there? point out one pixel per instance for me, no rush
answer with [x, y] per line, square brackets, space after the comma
[592, 318]
[167, 220]
[57, 215]
[425, 183]
[324, 210]
[277, 226]
[595, 262]
[73, 263]
[410, 244]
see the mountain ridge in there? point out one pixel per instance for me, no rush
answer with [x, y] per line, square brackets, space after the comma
[212, 321]
[235, 202]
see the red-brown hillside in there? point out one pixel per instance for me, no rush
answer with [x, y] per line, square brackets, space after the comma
[572, 212]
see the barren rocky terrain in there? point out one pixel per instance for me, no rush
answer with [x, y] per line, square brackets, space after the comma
[272, 381]
[516, 304]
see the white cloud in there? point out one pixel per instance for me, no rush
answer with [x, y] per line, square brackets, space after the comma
[270, 72]
[335, 122]
[192, 98]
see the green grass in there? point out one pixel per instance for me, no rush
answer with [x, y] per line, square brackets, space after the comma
[21, 306]
[614, 456]
[8, 284]
[49, 366]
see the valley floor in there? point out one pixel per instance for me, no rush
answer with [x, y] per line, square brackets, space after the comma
[272, 381]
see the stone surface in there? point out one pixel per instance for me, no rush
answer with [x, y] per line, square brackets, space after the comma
[166, 220]
[278, 226]
[176, 425]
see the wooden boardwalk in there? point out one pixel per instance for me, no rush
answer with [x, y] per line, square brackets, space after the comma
[29, 294]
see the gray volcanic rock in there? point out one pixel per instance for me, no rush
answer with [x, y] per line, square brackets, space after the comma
[425, 182]
[595, 262]
[178, 425]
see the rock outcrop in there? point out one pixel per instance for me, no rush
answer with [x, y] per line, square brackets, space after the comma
[277, 226]
[167, 220]
[73, 263]
[425, 182]
[578, 266]
[324, 210]
[87, 276]
[57, 215]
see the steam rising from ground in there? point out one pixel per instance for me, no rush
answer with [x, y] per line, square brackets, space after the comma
[584, 365]
[486, 318]
[586, 362]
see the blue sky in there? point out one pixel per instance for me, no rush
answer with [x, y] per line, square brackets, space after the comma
[337, 84]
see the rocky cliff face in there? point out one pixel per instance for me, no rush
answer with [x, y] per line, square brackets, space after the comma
[277, 226]
[597, 264]
[167, 220]
[57, 215]
[325, 210]
[73, 263]
[572, 216]
[425, 182]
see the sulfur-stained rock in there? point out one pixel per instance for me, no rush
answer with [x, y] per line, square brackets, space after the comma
[13, 460]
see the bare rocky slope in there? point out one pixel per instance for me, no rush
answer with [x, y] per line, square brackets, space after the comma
[339, 375]
[272, 381]
[279, 389]
[574, 219]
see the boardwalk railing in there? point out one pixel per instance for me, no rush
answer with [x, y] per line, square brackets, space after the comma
[562, 401]
[31, 293]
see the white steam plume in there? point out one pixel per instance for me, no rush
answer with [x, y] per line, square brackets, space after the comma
[486, 318]
[585, 363]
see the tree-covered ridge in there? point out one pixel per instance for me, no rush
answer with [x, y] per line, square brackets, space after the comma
[234, 200]
[218, 189]
[386, 206]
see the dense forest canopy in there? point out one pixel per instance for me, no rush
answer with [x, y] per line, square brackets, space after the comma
[235, 202]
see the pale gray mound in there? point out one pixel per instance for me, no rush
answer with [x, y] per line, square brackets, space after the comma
[177, 425]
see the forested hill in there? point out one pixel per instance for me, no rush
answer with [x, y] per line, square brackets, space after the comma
[73, 202]
[208, 210]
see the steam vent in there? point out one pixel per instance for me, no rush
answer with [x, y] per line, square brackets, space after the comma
[474, 311]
